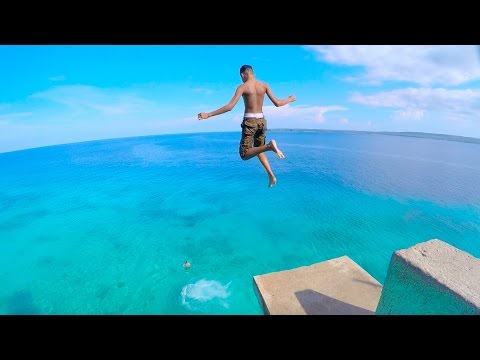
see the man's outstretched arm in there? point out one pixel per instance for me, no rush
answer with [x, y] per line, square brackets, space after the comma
[278, 102]
[225, 108]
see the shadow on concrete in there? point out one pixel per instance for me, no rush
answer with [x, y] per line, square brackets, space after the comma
[315, 303]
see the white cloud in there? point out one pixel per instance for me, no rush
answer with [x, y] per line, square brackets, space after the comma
[12, 116]
[57, 78]
[314, 114]
[294, 116]
[89, 113]
[413, 103]
[203, 91]
[343, 121]
[106, 102]
[424, 65]
[409, 114]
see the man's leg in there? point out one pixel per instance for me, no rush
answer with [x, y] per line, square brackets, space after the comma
[263, 159]
[251, 133]
[259, 152]
[271, 146]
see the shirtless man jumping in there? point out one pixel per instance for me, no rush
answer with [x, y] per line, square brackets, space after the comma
[254, 124]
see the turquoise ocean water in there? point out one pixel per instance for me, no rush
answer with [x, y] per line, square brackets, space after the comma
[104, 227]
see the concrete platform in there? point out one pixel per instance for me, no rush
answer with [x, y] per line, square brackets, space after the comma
[431, 278]
[333, 287]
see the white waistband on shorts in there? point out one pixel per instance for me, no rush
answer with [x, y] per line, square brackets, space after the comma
[253, 115]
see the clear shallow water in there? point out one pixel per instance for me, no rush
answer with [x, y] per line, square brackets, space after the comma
[104, 227]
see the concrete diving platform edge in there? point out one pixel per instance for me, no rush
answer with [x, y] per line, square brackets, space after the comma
[337, 286]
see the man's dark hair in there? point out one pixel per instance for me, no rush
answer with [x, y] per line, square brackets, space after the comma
[245, 68]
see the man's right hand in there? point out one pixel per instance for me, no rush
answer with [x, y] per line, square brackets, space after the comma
[203, 116]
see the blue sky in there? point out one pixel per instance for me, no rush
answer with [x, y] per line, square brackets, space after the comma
[68, 93]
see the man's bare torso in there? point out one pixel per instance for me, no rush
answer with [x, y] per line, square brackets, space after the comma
[253, 95]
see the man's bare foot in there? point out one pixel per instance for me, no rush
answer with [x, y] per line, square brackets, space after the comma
[273, 181]
[273, 145]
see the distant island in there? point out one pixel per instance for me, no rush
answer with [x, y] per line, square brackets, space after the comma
[405, 133]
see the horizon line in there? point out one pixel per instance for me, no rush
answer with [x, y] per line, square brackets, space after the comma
[436, 136]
